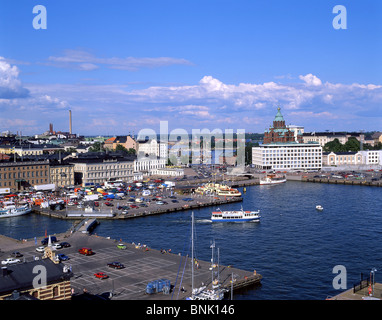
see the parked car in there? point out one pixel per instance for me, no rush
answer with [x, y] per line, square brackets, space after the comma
[86, 251]
[109, 204]
[62, 257]
[56, 246]
[10, 261]
[101, 275]
[115, 265]
[16, 254]
[40, 249]
[65, 244]
[46, 240]
[121, 246]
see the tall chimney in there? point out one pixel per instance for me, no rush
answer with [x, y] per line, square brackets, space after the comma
[70, 121]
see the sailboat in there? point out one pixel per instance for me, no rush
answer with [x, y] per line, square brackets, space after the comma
[202, 293]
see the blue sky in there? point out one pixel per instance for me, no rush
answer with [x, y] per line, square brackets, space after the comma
[122, 66]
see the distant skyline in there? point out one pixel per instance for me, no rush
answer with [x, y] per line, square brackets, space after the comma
[122, 66]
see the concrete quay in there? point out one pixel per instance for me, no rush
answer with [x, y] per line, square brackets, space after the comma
[361, 294]
[153, 209]
[141, 266]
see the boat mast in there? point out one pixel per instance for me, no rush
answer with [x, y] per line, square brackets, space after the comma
[192, 255]
[212, 262]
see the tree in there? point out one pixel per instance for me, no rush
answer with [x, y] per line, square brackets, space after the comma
[352, 144]
[334, 146]
[120, 147]
[96, 147]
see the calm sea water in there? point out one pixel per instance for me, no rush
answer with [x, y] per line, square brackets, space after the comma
[294, 247]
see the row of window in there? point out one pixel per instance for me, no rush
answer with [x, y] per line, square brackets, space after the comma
[14, 175]
[13, 183]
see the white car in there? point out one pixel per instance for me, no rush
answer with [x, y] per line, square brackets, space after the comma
[10, 261]
[56, 246]
[40, 249]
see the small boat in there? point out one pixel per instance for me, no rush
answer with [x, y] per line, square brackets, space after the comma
[272, 179]
[319, 208]
[14, 211]
[235, 216]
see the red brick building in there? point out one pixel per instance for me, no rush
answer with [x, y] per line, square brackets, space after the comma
[279, 132]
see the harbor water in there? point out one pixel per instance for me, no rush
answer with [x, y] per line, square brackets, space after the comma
[294, 246]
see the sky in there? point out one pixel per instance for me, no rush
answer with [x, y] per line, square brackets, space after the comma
[122, 66]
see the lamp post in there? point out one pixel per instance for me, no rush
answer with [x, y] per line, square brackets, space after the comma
[373, 271]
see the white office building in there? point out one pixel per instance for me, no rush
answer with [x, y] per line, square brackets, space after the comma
[287, 156]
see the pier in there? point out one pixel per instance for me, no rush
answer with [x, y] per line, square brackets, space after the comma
[141, 266]
[344, 181]
[199, 201]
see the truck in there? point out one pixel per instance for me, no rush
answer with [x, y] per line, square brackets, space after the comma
[169, 184]
[5, 190]
[91, 197]
[45, 187]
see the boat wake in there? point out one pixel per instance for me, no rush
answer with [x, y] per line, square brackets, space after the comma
[203, 221]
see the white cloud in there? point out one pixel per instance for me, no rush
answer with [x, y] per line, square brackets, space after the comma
[311, 80]
[86, 61]
[10, 84]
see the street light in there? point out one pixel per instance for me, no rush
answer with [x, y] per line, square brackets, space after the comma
[373, 271]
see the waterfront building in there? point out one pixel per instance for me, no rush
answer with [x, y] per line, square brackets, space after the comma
[61, 174]
[282, 149]
[342, 158]
[287, 156]
[279, 132]
[21, 175]
[372, 157]
[147, 164]
[96, 168]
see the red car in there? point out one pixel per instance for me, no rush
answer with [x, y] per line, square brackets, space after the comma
[101, 275]
[108, 204]
[133, 206]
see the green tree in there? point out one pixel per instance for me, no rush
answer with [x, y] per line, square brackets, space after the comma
[96, 147]
[334, 146]
[352, 145]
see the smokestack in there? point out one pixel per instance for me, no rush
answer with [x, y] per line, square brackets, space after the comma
[70, 121]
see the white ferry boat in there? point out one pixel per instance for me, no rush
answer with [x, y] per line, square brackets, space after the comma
[235, 216]
[14, 211]
[272, 179]
[228, 192]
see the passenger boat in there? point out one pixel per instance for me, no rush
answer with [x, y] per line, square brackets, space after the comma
[272, 179]
[235, 216]
[12, 210]
[228, 191]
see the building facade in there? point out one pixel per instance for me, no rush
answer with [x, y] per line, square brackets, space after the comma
[127, 141]
[97, 171]
[324, 137]
[152, 148]
[62, 174]
[342, 158]
[287, 156]
[21, 175]
[147, 164]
